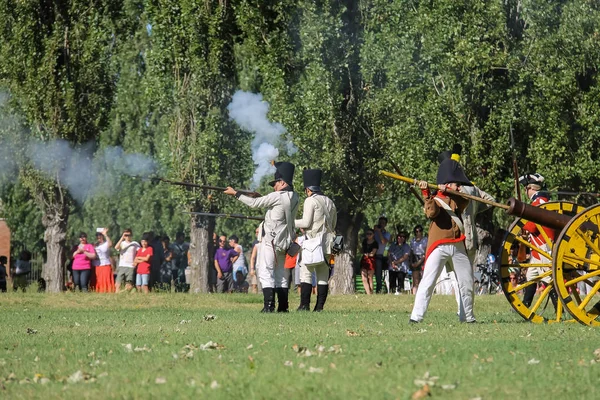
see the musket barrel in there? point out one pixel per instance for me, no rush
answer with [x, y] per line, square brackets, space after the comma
[413, 181]
[249, 193]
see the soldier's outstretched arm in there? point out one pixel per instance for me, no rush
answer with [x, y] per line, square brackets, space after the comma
[269, 200]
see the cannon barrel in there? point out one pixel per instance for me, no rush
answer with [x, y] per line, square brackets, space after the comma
[538, 215]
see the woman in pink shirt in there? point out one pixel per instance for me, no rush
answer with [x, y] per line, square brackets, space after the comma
[82, 262]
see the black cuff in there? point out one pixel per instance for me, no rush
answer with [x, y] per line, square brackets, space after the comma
[238, 194]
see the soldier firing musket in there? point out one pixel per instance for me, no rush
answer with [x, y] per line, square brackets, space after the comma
[277, 234]
[446, 244]
[574, 255]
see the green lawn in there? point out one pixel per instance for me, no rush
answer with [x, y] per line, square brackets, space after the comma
[136, 346]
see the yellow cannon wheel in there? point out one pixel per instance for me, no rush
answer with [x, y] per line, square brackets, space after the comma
[577, 259]
[539, 311]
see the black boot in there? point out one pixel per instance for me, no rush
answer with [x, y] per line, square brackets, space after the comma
[322, 291]
[282, 299]
[269, 300]
[305, 292]
[529, 294]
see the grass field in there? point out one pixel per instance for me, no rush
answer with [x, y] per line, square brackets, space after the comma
[134, 346]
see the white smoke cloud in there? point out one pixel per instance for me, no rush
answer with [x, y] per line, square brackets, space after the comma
[249, 111]
[82, 169]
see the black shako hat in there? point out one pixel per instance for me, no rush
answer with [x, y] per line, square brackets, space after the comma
[312, 179]
[450, 171]
[284, 172]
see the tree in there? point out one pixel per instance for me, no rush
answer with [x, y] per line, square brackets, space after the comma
[55, 61]
[191, 64]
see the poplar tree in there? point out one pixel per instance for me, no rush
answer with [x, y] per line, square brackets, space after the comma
[55, 61]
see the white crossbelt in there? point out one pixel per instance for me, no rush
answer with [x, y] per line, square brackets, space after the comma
[452, 214]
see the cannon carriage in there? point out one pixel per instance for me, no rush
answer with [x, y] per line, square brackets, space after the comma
[573, 256]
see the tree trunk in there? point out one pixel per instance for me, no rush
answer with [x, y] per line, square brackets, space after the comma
[342, 281]
[55, 235]
[200, 249]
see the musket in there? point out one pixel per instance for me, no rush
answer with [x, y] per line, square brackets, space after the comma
[223, 215]
[513, 207]
[249, 193]
[412, 181]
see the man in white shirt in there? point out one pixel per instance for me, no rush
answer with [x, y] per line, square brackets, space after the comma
[319, 219]
[126, 270]
[276, 236]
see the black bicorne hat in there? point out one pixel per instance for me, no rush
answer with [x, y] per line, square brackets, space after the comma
[312, 179]
[450, 171]
[284, 172]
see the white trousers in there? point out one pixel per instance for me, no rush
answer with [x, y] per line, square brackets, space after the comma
[533, 273]
[445, 283]
[456, 256]
[269, 265]
[321, 270]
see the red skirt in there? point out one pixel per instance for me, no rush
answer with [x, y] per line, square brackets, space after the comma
[367, 263]
[105, 281]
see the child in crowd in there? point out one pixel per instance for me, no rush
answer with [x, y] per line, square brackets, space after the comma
[22, 269]
[240, 285]
[142, 261]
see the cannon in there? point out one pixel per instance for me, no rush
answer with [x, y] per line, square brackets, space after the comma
[574, 257]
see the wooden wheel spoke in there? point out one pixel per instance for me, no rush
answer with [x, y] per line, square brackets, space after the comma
[532, 247]
[525, 266]
[544, 235]
[559, 311]
[582, 278]
[581, 259]
[533, 281]
[587, 240]
[575, 295]
[589, 296]
[539, 301]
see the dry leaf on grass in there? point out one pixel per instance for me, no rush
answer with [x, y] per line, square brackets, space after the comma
[351, 333]
[288, 364]
[214, 385]
[210, 345]
[249, 347]
[142, 349]
[314, 370]
[421, 393]
[533, 361]
[448, 387]
[160, 380]
[76, 377]
[426, 380]
[127, 347]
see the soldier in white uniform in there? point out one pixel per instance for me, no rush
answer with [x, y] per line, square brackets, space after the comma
[276, 236]
[318, 219]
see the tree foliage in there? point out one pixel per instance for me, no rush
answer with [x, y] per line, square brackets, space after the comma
[356, 84]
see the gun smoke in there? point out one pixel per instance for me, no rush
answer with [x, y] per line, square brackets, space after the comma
[249, 111]
[85, 171]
